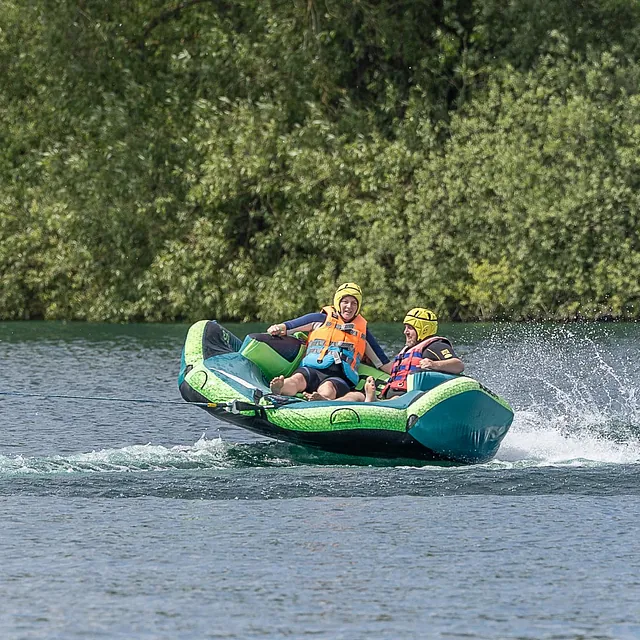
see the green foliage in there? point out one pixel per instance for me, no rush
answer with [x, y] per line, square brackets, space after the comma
[238, 160]
[538, 188]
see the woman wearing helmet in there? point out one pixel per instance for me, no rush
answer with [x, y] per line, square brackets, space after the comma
[338, 342]
[423, 350]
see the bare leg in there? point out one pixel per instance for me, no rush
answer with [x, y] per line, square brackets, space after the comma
[288, 386]
[327, 390]
[353, 396]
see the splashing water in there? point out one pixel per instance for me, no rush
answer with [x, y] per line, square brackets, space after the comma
[575, 393]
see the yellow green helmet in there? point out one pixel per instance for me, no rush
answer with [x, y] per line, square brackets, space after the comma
[347, 289]
[425, 322]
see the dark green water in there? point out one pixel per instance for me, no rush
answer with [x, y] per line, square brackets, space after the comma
[122, 519]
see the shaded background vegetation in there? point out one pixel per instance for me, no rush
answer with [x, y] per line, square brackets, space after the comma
[239, 159]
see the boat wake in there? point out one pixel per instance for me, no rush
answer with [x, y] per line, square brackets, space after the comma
[530, 443]
[536, 440]
[204, 454]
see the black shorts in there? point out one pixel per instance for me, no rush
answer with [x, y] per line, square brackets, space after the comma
[334, 374]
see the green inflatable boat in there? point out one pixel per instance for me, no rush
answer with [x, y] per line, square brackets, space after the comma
[441, 417]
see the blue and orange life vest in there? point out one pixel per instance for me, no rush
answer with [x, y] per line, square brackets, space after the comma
[337, 342]
[408, 362]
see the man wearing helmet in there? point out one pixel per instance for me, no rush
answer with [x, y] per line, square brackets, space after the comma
[338, 342]
[423, 350]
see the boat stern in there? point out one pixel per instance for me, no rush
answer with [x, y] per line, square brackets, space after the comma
[461, 420]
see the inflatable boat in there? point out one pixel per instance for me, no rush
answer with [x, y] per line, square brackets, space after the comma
[442, 417]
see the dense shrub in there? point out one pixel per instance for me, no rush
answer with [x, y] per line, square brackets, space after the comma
[237, 160]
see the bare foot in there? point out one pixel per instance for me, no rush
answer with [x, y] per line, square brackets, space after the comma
[370, 390]
[276, 384]
[314, 396]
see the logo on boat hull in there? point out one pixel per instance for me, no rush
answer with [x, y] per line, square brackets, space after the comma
[344, 415]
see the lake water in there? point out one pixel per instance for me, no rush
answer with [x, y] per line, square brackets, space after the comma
[123, 519]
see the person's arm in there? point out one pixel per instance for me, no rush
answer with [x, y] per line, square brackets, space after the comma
[376, 354]
[441, 357]
[303, 323]
[452, 365]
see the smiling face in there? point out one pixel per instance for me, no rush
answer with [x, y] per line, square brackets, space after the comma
[348, 308]
[410, 336]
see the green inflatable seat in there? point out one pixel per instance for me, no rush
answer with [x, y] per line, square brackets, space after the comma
[274, 355]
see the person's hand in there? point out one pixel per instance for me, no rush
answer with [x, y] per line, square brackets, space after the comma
[277, 330]
[425, 363]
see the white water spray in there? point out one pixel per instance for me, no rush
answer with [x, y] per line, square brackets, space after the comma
[574, 389]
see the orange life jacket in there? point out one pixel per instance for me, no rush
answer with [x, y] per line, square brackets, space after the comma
[337, 342]
[406, 363]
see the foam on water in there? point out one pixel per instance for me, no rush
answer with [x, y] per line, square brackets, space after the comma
[204, 454]
[531, 441]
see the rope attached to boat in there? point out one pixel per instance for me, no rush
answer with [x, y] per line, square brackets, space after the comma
[208, 405]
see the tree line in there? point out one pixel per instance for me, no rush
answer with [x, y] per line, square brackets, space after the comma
[237, 160]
